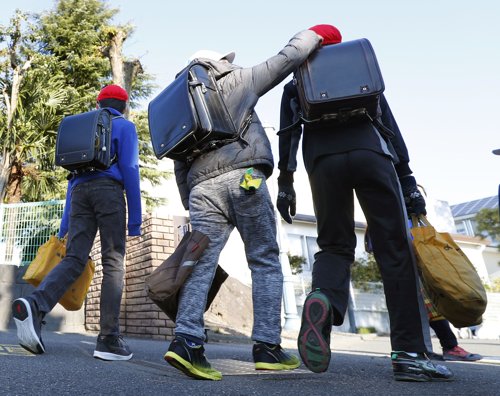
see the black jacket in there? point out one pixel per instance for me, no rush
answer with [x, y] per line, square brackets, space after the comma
[323, 139]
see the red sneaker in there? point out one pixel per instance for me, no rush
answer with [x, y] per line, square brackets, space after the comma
[459, 354]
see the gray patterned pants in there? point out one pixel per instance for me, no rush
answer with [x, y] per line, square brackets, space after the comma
[216, 207]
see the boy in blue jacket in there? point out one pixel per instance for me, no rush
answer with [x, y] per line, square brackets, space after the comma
[94, 201]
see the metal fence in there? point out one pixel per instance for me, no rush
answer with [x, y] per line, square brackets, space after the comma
[24, 227]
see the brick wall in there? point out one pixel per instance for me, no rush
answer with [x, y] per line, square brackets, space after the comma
[139, 316]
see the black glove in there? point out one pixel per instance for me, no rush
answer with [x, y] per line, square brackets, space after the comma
[286, 202]
[414, 200]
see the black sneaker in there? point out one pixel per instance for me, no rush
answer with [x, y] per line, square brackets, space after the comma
[191, 360]
[314, 335]
[29, 325]
[417, 367]
[434, 356]
[273, 357]
[111, 347]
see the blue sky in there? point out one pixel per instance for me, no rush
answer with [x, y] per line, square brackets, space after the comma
[440, 60]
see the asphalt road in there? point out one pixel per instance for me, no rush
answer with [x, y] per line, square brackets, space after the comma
[359, 366]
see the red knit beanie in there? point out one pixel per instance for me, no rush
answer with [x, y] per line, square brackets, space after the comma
[112, 92]
[330, 34]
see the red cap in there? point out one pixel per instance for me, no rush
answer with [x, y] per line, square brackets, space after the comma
[112, 92]
[330, 34]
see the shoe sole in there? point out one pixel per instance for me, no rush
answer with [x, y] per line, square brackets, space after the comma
[459, 359]
[419, 378]
[23, 318]
[187, 368]
[276, 366]
[108, 356]
[411, 378]
[313, 348]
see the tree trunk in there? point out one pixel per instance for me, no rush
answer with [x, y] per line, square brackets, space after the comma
[123, 71]
[131, 70]
[11, 101]
[14, 183]
[5, 169]
[114, 54]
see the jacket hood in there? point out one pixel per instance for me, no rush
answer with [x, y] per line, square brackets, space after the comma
[220, 68]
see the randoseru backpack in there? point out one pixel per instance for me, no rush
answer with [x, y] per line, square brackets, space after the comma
[84, 141]
[189, 116]
[340, 81]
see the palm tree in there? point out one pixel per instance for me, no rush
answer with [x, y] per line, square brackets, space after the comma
[42, 102]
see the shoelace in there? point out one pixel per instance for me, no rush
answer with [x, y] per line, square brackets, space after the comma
[120, 341]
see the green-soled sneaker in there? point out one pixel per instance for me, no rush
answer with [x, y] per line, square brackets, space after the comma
[273, 357]
[191, 360]
[314, 335]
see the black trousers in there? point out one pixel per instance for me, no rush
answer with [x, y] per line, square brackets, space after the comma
[443, 332]
[333, 180]
[95, 205]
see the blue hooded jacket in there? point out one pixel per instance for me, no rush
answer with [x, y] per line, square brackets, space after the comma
[126, 171]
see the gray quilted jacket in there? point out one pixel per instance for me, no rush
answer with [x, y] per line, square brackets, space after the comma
[241, 89]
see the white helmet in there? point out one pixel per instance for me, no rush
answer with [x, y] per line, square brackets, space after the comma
[213, 55]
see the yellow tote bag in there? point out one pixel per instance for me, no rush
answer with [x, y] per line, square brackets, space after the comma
[448, 276]
[48, 256]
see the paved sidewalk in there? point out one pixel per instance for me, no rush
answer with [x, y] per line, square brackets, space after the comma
[370, 344]
[360, 365]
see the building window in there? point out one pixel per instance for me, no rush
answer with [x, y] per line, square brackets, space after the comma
[305, 246]
[312, 249]
[460, 227]
[465, 227]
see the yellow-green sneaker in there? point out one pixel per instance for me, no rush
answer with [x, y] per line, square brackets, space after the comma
[191, 360]
[273, 357]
